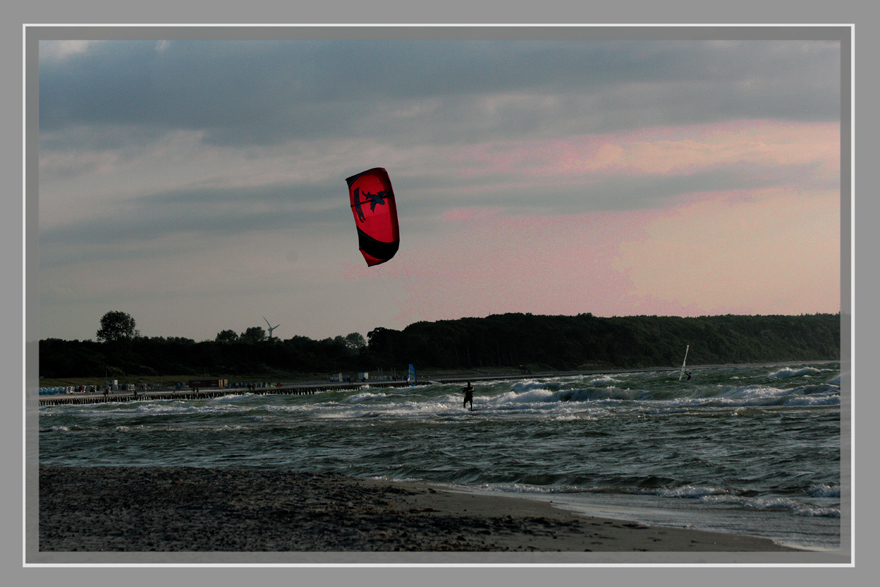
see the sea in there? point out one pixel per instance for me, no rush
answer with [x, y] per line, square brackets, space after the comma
[750, 450]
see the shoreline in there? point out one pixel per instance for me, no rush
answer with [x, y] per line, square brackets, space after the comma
[196, 510]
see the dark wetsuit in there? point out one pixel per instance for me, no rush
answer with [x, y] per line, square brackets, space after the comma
[468, 395]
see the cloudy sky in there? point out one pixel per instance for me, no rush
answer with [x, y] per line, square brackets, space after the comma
[200, 185]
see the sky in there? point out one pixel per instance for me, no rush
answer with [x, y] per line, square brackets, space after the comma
[199, 186]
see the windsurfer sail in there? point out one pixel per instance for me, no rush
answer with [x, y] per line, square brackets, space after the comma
[684, 364]
[411, 376]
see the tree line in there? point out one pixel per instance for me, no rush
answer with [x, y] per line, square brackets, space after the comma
[517, 341]
[585, 341]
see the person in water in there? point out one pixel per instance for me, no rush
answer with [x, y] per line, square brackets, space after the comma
[468, 395]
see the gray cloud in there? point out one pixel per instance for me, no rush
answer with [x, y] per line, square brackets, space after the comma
[263, 92]
[618, 193]
[215, 210]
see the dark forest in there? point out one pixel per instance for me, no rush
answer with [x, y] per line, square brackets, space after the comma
[515, 341]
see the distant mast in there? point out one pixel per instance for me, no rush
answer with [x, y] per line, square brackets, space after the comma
[684, 364]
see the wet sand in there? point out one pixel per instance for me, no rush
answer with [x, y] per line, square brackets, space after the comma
[183, 509]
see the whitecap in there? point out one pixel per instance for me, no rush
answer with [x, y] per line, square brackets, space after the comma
[815, 511]
[603, 379]
[787, 372]
[537, 395]
[526, 386]
[825, 491]
[361, 397]
[691, 492]
[807, 401]
[234, 397]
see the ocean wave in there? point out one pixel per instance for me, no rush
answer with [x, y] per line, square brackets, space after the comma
[784, 504]
[747, 411]
[824, 388]
[530, 386]
[691, 492]
[537, 395]
[788, 372]
[812, 401]
[816, 512]
[603, 379]
[710, 496]
[234, 397]
[228, 427]
[364, 396]
[825, 491]
[726, 396]
[724, 497]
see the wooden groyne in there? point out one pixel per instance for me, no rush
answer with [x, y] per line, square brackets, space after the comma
[306, 388]
[208, 393]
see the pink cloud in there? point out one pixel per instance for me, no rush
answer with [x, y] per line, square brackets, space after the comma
[769, 254]
[470, 214]
[746, 252]
[656, 151]
[514, 264]
[718, 254]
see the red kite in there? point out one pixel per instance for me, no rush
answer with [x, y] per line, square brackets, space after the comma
[375, 214]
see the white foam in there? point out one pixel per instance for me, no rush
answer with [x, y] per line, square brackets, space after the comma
[813, 401]
[235, 397]
[365, 396]
[535, 395]
[603, 379]
[787, 372]
[691, 492]
[825, 491]
[527, 386]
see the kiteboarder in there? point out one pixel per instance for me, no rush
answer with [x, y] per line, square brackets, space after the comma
[468, 395]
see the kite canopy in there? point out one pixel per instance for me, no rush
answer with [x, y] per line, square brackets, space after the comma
[375, 214]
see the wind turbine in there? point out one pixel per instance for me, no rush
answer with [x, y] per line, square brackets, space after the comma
[271, 328]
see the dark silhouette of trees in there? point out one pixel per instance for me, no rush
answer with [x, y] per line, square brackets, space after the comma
[116, 326]
[253, 334]
[510, 341]
[585, 341]
[355, 341]
[226, 336]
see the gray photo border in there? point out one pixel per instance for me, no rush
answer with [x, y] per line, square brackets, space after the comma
[33, 34]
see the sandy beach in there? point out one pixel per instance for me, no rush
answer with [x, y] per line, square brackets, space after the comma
[175, 509]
